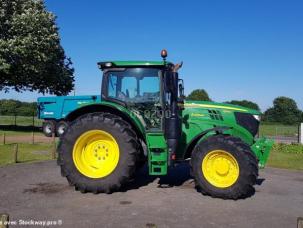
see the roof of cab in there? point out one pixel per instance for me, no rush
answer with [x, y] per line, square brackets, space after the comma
[112, 64]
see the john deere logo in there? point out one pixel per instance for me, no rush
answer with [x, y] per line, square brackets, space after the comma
[197, 114]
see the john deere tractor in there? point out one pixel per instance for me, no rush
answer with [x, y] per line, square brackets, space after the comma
[143, 117]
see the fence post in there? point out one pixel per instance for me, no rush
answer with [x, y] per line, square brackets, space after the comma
[16, 153]
[15, 124]
[33, 120]
[54, 147]
[300, 135]
[3, 138]
[33, 137]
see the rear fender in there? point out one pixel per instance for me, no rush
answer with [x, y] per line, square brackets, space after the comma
[116, 109]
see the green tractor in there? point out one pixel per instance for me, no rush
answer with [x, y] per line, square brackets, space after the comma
[143, 117]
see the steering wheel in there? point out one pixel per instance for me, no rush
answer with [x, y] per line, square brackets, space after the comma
[121, 95]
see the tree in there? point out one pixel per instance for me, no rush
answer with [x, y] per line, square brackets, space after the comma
[15, 107]
[198, 95]
[285, 110]
[245, 103]
[31, 57]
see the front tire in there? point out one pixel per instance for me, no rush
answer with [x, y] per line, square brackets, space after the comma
[224, 167]
[98, 153]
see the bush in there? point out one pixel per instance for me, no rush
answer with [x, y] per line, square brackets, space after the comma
[288, 148]
[15, 107]
[284, 110]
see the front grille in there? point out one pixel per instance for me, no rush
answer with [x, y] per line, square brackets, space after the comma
[215, 114]
[248, 121]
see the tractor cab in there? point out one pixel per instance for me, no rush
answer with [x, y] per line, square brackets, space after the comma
[151, 91]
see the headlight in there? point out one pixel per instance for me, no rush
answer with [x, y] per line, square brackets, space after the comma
[257, 117]
[248, 121]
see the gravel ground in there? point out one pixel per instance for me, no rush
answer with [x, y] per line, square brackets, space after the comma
[37, 192]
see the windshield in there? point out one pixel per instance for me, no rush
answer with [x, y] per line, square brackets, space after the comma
[135, 85]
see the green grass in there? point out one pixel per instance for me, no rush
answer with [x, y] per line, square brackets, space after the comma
[278, 130]
[23, 125]
[20, 120]
[286, 156]
[16, 133]
[26, 153]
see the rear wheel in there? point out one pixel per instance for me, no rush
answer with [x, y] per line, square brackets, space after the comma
[61, 128]
[98, 153]
[224, 167]
[48, 128]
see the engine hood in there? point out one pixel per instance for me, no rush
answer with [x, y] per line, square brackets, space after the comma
[189, 104]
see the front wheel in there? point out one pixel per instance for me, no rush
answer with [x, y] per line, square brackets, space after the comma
[98, 153]
[224, 167]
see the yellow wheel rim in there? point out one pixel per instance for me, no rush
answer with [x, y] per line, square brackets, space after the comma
[96, 154]
[220, 168]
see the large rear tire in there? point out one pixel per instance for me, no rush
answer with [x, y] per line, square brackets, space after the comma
[224, 167]
[98, 153]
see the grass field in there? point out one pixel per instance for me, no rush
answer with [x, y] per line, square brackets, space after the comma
[286, 161]
[26, 153]
[17, 133]
[20, 120]
[286, 156]
[23, 125]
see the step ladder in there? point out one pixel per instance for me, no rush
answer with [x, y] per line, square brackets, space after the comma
[157, 153]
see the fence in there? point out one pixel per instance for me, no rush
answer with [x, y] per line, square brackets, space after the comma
[280, 133]
[21, 140]
[26, 152]
[19, 121]
[17, 129]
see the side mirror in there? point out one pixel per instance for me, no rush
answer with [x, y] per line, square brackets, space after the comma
[171, 82]
[181, 88]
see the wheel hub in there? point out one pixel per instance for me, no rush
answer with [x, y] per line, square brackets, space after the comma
[220, 168]
[96, 154]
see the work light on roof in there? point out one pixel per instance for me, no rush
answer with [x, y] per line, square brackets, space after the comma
[164, 54]
[109, 64]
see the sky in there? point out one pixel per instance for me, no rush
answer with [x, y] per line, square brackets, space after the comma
[236, 49]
